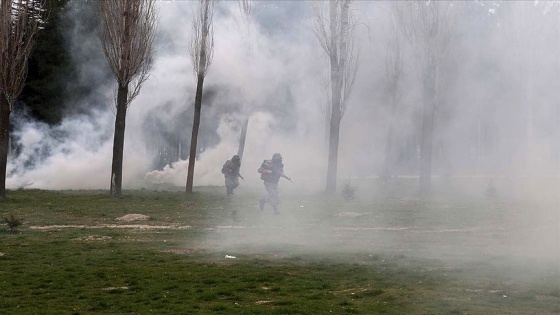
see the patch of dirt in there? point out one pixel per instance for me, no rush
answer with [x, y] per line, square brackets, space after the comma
[351, 291]
[371, 228]
[350, 214]
[484, 291]
[220, 227]
[114, 288]
[547, 298]
[179, 251]
[93, 238]
[446, 269]
[263, 302]
[2, 254]
[465, 230]
[112, 226]
[133, 217]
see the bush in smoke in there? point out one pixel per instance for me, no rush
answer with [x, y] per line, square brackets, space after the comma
[348, 192]
[491, 192]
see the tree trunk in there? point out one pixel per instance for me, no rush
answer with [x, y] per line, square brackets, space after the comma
[333, 155]
[334, 127]
[427, 130]
[334, 130]
[201, 72]
[118, 142]
[242, 138]
[194, 136]
[388, 164]
[4, 143]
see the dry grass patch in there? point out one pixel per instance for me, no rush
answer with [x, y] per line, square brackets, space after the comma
[89, 238]
[179, 251]
[133, 217]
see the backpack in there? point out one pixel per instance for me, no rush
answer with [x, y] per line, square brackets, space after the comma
[266, 165]
[276, 171]
[226, 169]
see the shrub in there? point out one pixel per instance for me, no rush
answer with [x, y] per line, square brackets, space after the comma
[13, 223]
[348, 192]
[491, 192]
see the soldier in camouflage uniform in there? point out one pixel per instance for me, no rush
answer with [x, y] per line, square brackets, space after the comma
[231, 174]
[271, 171]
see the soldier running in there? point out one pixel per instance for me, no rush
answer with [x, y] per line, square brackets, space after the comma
[231, 173]
[271, 171]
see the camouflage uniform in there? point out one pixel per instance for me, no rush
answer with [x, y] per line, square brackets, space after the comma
[231, 174]
[271, 171]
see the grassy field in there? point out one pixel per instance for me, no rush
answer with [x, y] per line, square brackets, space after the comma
[393, 255]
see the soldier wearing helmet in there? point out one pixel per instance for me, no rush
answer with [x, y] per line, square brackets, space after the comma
[231, 174]
[271, 171]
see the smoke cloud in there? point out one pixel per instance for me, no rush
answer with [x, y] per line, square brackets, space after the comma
[497, 113]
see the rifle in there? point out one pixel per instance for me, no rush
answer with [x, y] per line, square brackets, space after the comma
[286, 177]
[240, 176]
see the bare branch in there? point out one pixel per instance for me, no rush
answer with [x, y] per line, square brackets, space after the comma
[201, 46]
[394, 61]
[335, 28]
[20, 20]
[127, 36]
[320, 22]
[245, 9]
[427, 25]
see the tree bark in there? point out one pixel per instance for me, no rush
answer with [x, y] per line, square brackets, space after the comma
[389, 163]
[334, 133]
[204, 54]
[334, 127]
[194, 136]
[426, 145]
[118, 142]
[4, 143]
[333, 154]
[334, 130]
[242, 138]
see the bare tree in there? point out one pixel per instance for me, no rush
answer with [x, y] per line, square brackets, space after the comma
[20, 20]
[201, 49]
[127, 36]
[393, 80]
[245, 10]
[335, 32]
[245, 7]
[525, 28]
[427, 25]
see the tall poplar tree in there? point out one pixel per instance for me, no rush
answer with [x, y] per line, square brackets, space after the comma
[20, 20]
[201, 49]
[335, 32]
[127, 36]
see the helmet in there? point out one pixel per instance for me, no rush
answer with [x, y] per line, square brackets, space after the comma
[235, 157]
[276, 156]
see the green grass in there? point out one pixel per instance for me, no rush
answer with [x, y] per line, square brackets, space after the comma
[456, 255]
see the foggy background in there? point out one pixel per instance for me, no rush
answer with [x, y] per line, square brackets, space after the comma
[498, 111]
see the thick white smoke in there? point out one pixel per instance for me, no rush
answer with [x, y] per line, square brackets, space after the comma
[258, 67]
[276, 73]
